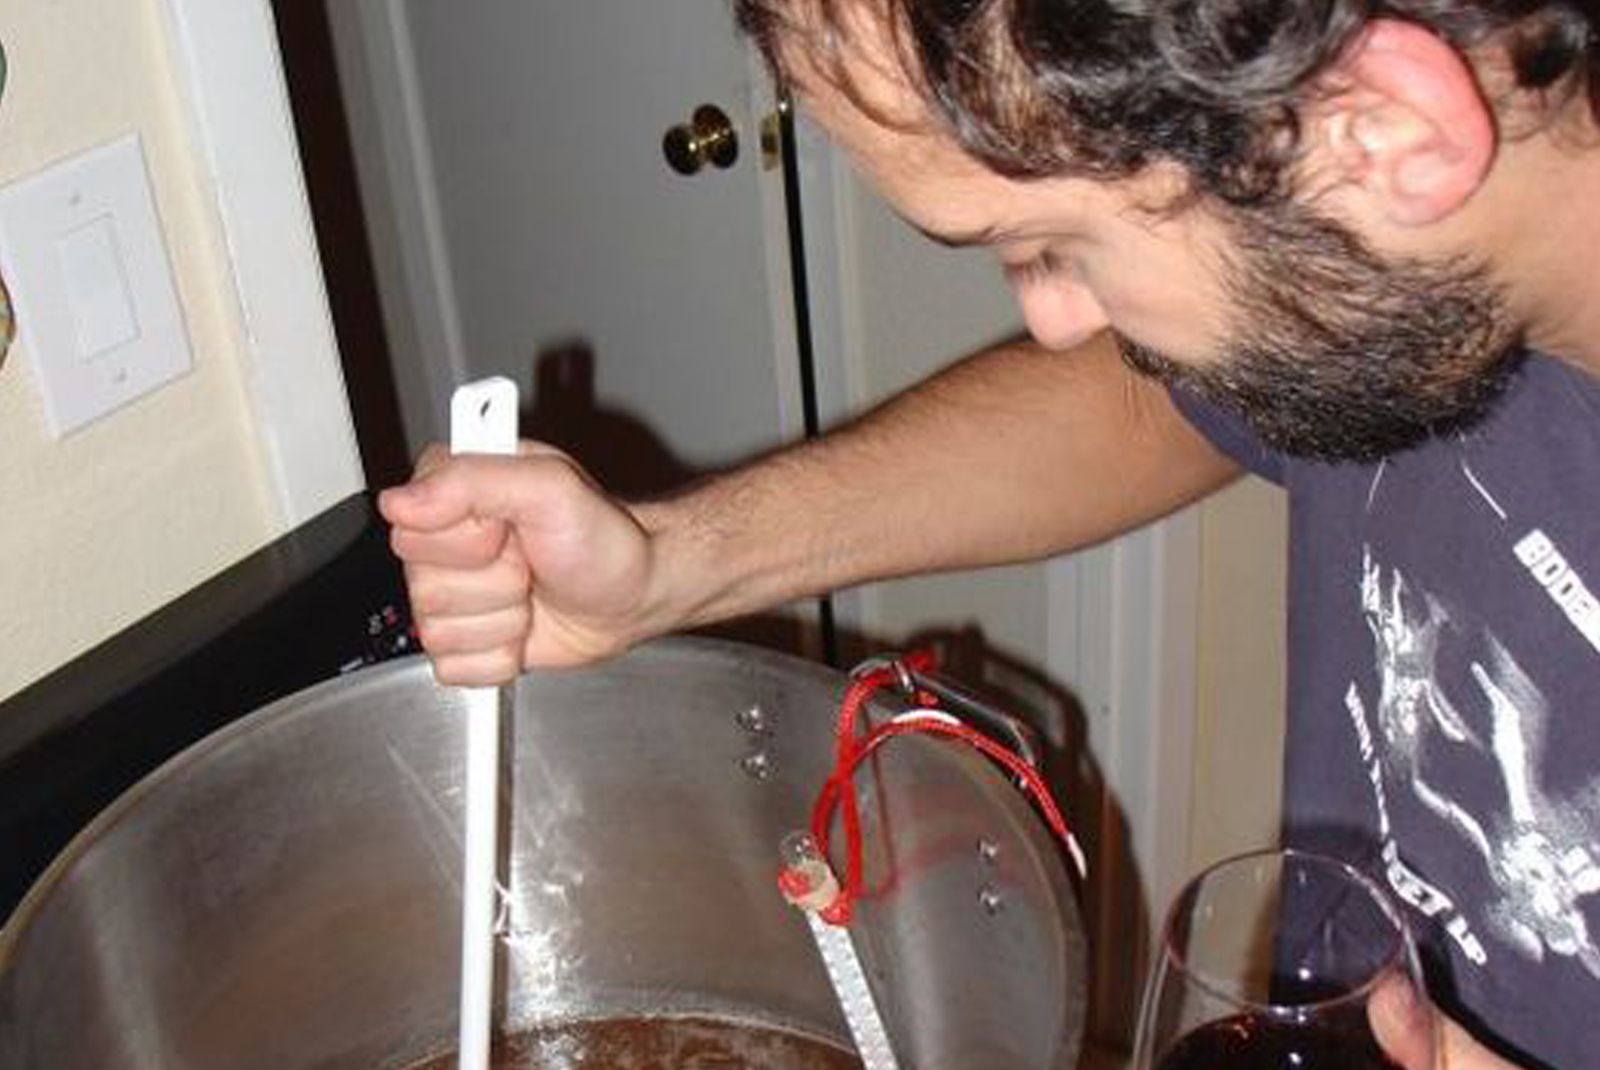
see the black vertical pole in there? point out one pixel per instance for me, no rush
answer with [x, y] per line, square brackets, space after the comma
[810, 407]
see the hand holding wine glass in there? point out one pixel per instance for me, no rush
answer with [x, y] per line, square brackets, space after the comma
[1280, 961]
[1393, 1024]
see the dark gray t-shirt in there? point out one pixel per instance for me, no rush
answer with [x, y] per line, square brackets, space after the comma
[1444, 695]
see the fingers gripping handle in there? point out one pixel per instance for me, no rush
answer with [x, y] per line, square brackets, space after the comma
[483, 419]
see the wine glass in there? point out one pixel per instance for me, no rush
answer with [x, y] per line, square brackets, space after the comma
[1274, 961]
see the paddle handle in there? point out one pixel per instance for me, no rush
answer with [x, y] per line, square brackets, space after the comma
[483, 419]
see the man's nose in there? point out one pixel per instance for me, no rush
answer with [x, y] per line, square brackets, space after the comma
[1060, 314]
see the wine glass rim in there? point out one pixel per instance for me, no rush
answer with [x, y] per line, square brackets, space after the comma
[1396, 955]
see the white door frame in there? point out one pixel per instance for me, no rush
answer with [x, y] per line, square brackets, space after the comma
[373, 46]
[226, 53]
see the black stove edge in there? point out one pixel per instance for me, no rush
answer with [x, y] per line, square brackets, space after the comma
[324, 599]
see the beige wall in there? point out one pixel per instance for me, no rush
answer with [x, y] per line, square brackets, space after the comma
[108, 524]
[1238, 748]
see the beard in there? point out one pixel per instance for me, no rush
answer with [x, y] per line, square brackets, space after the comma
[1341, 355]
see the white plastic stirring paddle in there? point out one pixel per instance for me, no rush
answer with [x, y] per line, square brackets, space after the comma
[483, 419]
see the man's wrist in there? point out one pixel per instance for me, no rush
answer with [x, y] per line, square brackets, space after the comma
[678, 583]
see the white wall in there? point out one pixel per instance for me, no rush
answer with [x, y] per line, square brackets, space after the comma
[107, 525]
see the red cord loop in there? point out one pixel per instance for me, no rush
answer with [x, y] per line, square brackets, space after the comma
[852, 748]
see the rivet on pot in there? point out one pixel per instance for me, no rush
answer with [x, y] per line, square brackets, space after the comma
[753, 720]
[988, 851]
[757, 766]
[991, 901]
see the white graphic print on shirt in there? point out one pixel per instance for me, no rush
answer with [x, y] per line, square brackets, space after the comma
[1549, 568]
[1540, 852]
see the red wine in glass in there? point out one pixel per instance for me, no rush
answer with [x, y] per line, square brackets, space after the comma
[1272, 961]
[1258, 1042]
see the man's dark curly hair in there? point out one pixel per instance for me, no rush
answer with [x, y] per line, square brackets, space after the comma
[1103, 88]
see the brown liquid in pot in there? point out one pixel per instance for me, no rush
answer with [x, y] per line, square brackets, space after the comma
[658, 1044]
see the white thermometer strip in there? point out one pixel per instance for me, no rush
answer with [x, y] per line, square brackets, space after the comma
[850, 987]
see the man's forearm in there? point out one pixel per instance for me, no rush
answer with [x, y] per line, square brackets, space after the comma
[1012, 455]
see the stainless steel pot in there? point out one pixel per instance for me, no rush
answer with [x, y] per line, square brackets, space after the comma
[286, 893]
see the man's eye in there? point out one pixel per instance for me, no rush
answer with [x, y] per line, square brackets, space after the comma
[1038, 269]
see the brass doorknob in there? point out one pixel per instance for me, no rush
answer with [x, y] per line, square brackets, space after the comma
[708, 138]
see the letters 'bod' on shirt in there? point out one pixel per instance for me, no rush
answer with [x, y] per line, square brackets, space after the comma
[1444, 695]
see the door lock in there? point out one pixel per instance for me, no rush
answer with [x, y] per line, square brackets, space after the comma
[708, 138]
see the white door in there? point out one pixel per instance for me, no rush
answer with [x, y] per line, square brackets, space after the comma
[527, 223]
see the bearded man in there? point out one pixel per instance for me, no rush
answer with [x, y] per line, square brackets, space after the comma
[1342, 245]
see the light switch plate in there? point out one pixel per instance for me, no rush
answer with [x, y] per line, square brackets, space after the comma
[91, 284]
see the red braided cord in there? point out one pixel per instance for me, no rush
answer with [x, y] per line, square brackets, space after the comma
[851, 751]
[846, 747]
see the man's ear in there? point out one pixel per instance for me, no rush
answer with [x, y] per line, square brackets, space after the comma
[1405, 126]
